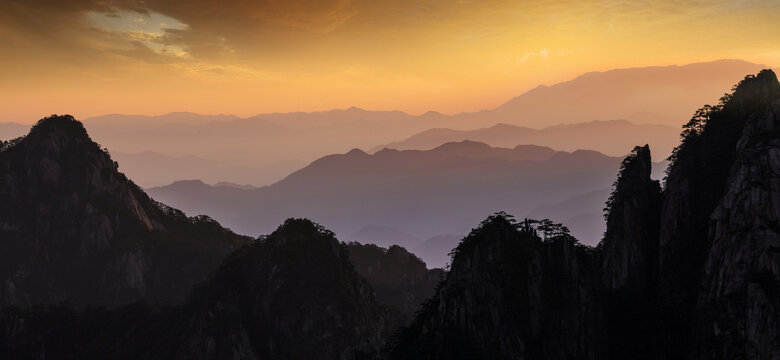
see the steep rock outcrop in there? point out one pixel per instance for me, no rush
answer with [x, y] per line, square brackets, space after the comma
[629, 248]
[739, 302]
[629, 253]
[697, 181]
[73, 228]
[509, 295]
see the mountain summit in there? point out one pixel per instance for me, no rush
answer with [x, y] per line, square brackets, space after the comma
[73, 228]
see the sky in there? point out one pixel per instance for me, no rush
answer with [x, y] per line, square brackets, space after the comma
[244, 57]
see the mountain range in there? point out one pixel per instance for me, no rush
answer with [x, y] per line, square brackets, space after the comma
[684, 270]
[614, 137]
[265, 148]
[422, 193]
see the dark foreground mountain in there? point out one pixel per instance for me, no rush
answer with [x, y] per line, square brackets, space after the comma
[294, 294]
[291, 295]
[687, 272]
[510, 295]
[73, 228]
[76, 233]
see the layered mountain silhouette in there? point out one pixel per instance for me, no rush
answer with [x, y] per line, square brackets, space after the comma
[421, 193]
[656, 94]
[265, 148]
[609, 137]
[75, 229]
[684, 272]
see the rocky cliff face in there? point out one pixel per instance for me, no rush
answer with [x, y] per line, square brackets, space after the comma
[291, 295]
[73, 228]
[629, 256]
[629, 248]
[509, 295]
[716, 143]
[738, 309]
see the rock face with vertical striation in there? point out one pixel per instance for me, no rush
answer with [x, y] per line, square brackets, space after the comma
[700, 186]
[739, 300]
[73, 228]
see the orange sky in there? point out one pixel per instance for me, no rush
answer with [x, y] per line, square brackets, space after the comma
[87, 57]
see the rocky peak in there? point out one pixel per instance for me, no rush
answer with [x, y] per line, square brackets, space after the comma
[754, 92]
[76, 229]
[629, 253]
[630, 244]
[737, 302]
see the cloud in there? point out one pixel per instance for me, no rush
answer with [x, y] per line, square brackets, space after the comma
[544, 53]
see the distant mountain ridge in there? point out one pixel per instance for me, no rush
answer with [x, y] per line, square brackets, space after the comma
[270, 146]
[666, 93]
[421, 193]
[614, 137]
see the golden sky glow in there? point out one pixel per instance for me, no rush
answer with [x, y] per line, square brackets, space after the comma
[90, 57]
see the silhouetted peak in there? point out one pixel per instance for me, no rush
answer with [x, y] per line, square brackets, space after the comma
[63, 127]
[755, 91]
[462, 145]
[356, 152]
[496, 228]
[635, 169]
[301, 232]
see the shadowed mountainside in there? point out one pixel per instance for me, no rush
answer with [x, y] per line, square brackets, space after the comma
[75, 229]
[294, 294]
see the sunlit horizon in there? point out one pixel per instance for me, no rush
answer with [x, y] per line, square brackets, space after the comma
[89, 58]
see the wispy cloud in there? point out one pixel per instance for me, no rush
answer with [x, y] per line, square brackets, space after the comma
[544, 53]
